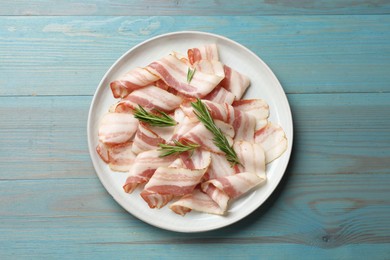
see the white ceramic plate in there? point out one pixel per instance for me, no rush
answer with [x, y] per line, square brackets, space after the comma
[264, 85]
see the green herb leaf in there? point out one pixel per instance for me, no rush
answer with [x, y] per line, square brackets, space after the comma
[160, 119]
[203, 114]
[179, 147]
[190, 74]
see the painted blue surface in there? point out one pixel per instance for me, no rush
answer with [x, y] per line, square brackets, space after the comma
[333, 60]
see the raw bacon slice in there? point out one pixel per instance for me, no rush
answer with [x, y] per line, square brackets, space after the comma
[235, 82]
[227, 129]
[175, 181]
[121, 157]
[220, 95]
[165, 133]
[124, 106]
[174, 73]
[146, 139]
[223, 112]
[183, 128]
[235, 185]
[152, 97]
[117, 128]
[210, 67]
[205, 52]
[188, 111]
[179, 115]
[197, 201]
[221, 186]
[156, 200]
[197, 159]
[251, 156]
[217, 195]
[256, 107]
[219, 167]
[145, 164]
[161, 84]
[273, 140]
[132, 80]
[244, 125]
[102, 150]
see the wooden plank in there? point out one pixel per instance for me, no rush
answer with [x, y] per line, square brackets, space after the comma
[323, 215]
[153, 7]
[335, 134]
[46, 133]
[309, 54]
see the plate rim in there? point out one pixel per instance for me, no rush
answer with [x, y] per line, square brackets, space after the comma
[120, 200]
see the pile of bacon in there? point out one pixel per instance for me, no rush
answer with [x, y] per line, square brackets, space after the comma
[202, 180]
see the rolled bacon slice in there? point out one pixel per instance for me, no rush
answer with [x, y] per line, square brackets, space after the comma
[144, 166]
[255, 107]
[121, 157]
[156, 200]
[146, 139]
[235, 185]
[134, 79]
[273, 140]
[174, 73]
[102, 151]
[251, 157]
[178, 179]
[153, 97]
[205, 52]
[117, 128]
[244, 125]
[218, 196]
[235, 82]
[174, 181]
[223, 183]
[197, 201]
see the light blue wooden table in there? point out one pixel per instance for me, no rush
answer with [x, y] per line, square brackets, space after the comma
[333, 61]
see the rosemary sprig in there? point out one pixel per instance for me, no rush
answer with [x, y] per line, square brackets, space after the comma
[153, 119]
[179, 147]
[203, 114]
[190, 74]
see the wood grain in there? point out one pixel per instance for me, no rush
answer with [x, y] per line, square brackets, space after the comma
[309, 54]
[43, 218]
[177, 7]
[333, 60]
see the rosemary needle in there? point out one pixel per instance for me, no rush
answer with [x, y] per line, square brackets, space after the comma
[178, 148]
[160, 119]
[190, 74]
